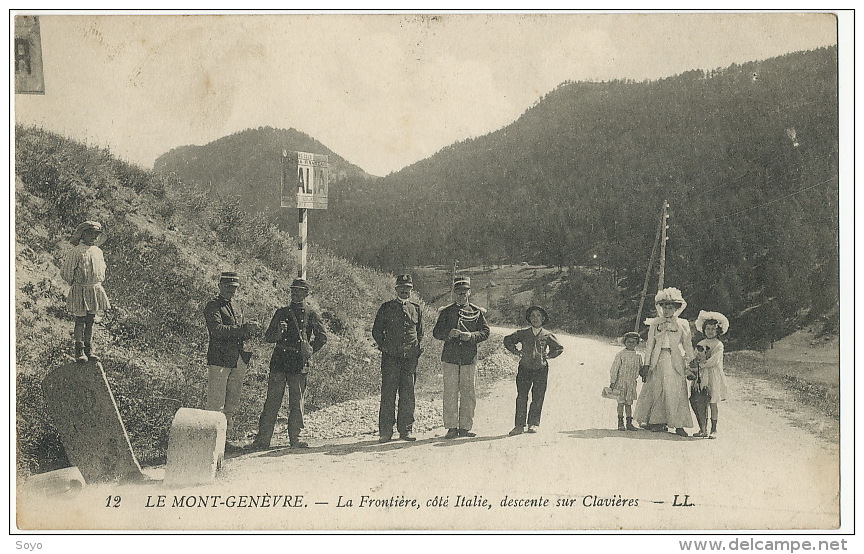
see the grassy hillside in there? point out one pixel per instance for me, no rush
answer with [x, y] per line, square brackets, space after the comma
[167, 243]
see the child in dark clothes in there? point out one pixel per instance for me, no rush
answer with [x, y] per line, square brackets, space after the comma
[537, 346]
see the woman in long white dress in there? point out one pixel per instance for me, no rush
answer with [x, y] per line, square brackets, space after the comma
[664, 400]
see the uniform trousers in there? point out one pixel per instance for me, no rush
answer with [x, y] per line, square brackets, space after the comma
[276, 383]
[223, 388]
[398, 375]
[459, 395]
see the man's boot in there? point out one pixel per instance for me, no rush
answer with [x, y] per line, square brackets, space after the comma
[385, 435]
[295, 442]
[621, 423]
[630, 426]
[407, 436]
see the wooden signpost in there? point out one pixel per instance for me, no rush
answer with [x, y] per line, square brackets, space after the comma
[305, 182]
[29, 77]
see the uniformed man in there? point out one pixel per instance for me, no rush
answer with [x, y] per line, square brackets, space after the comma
[298, 333]
[227, 356]
[398, 331]
[461, 325]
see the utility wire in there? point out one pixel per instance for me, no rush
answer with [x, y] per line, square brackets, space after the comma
[772, 201]
[725, 186]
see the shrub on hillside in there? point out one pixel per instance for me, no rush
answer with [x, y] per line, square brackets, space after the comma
[39, 447]
[512, 312]
[588, 296]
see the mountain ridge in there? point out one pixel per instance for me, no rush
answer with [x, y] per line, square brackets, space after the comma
[746, 155]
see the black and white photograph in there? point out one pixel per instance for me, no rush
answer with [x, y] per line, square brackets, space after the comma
[432, 272]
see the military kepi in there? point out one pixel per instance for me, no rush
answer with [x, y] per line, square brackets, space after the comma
[462, 282]
[404, 281]
[229, 278]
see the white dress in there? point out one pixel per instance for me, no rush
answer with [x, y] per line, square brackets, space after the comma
[711, 370]
[84, 269]
[665, 395]
[624, 372]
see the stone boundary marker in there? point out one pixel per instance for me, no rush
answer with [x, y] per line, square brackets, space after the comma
[196, 447]
[85, 414]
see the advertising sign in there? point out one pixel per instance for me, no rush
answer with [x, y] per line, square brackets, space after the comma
[305, 179]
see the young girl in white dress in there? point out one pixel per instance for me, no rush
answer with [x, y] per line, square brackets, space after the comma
[84, 269]
[710, 354]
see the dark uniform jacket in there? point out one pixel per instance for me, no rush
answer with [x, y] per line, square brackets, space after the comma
[535, 349]
[286, 355]
[472, 319]
[226, 334]
[398, 329]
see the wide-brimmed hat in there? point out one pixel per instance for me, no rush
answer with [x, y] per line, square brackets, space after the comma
[404, 281]
[462, 282]
[704, 317]
[539, 309]
[75, 239]
[300, 284]
[670, 295]
[229, 278]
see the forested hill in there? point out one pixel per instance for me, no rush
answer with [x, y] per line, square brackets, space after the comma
[246, 165]
[747, 157]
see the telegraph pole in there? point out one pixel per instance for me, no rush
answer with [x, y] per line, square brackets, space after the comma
[452, 279]
[302, 233]
[663, 238]
[659, 239]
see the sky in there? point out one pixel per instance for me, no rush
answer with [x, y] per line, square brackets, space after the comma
[383, 91]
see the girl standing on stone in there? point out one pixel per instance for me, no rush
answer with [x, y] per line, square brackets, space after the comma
[84, 269]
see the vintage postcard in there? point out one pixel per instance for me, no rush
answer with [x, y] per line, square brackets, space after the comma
[180, 364]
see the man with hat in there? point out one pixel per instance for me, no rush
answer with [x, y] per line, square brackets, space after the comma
[536, 347]
[461, 325]
[398, 331]
[227, 357]
[298, 333]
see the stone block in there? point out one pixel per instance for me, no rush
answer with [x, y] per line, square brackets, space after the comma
[60, 481]
[196, 447]
[85, 414]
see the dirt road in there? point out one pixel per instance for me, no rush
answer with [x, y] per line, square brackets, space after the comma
[578, 472]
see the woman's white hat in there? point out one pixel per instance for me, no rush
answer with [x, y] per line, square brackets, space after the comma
[670, 295]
